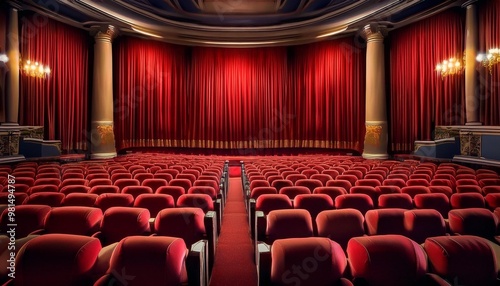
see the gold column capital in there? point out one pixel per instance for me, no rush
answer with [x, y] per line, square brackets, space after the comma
[468, 3]
[104, 32]
[374, 32]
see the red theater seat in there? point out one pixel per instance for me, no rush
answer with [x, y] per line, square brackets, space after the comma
[292, 192]
[46, 198]
[435, 201]
[467, 200]
[80, 199]
[389, 260]
[184, 183]
[174, 191]
[57, 259]
[120, 222]
[147, 259]
[296, 253]
[279, 184]
[73, 220]
[43, 188]
[385, 221]
[424, 223]
[136, 191]
[394, 182]
[361, 202]
[415, 190]
[106, 201]
[104, 189]
[340, 183]
[74, 189]
[154, 202]
[473, 221]
[311, 184]
[28, 218]
[351, 221]
[402, 201]
[462, 260]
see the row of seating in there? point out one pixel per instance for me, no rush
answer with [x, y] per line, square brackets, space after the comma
[65, 259]
[383, 260]
[342, 225]
[196, 228]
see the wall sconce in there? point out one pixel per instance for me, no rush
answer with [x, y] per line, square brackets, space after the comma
[4, 58]
[34, 69]
[451, 66]
[490, 59]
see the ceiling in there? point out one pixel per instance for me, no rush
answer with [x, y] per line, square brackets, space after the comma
[245, 23]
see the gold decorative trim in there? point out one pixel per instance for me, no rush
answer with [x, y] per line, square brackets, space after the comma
[249, 144]
[106, 134]
[373, 135]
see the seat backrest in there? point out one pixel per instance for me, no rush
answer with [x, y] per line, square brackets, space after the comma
[341, 225]
[184, 222]
[202, 201]
[27, 217]
[288, 224]
[424, 223]
[292, 192]
[311, 184]
[120, 222]
[414, 190]
[385, 221]
[104, 189]
[74, 189]
[57, 259]
[329, 260]
[45, 198]
[154, 202]
[332, 192]
[135, 191]
[154, 184]
[436, 201]
[313, 203]
[73, 220]
[106, 201]
[340, 183]
[465, 259]
[43, 188]
[147, 259]
[361, 202]
[269, 202]
[473, 221]
[467, 200]
[184, 183]
[258, 191]
[203, 190]
[80, 199]
[279, 184]
[386, 260]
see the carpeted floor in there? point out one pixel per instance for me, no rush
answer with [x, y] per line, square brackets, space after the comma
[234, 264]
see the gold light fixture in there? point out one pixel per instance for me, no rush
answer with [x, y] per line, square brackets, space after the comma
[34, 69]
[450, 66]
[490, 59]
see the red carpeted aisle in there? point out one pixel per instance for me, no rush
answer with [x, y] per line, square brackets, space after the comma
[234, 264]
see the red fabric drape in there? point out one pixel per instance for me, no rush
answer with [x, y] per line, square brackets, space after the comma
[489, 87]
[328, 92]
[58, 102]
[419, 97]
[307, 96]
[150, 94]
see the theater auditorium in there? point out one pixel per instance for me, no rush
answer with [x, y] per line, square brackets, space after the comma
[249, 142]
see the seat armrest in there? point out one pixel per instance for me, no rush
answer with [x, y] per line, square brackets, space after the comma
[260, 226]
[218, 211]
[101, 265]
[431, 279]
[197, 264]
[251, 216]
[263, 261]
[211, 229]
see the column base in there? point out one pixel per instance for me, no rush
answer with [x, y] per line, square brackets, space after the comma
[375, 156]
[97, 156]
[473, 124]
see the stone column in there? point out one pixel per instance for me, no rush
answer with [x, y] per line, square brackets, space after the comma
[376, 136]
[12, 83]
[471, 45]
[102, 135]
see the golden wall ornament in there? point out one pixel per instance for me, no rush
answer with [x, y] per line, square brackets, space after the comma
[373, 135]
[105, 134]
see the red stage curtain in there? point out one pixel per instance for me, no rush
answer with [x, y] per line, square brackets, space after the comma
[247, 99]
[3, 49]
[419, 97]
[150, 103]
[489, 87]
[58, 102]
[327, 82]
